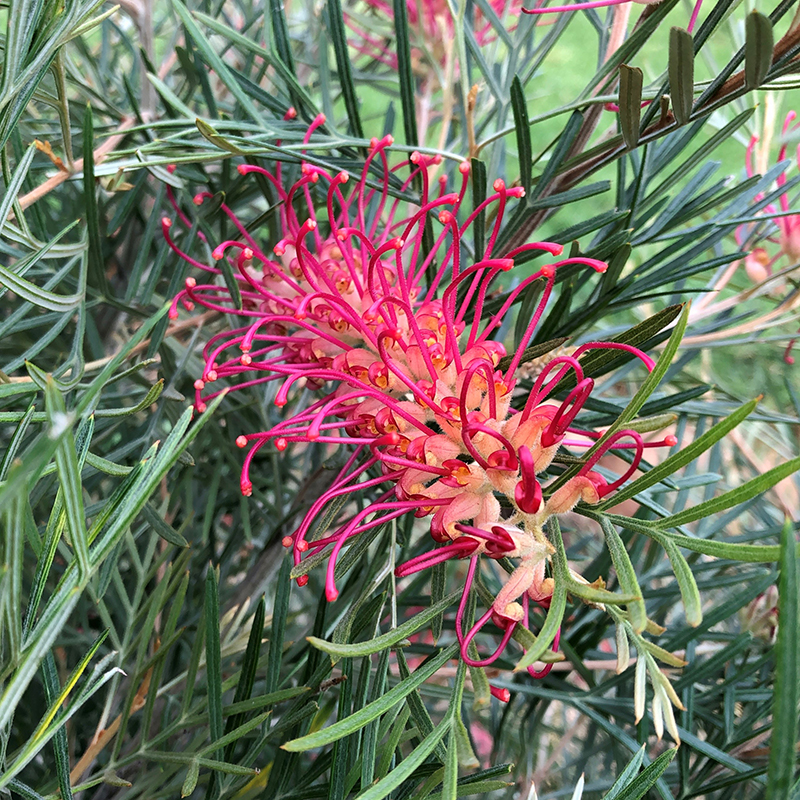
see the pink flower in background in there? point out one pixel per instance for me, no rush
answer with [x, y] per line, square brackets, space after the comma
[431, 21]
[381, 340]
[759, 263]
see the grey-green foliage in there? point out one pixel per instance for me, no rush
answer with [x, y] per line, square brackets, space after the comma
[140, 594]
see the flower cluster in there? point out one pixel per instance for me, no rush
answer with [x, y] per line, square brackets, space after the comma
[372, 302]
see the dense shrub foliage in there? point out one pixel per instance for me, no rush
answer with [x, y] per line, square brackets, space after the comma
[399, 399]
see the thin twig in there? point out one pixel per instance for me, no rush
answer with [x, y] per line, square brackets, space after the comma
[99, 156]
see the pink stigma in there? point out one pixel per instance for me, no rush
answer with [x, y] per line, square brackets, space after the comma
[503, 695]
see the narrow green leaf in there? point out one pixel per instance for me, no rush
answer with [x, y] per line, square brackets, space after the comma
[25, 791]
[213, 656]
[385, 786]
[523, 131]
[479, 183]
[161, 527]
[734, 497]
[96, 264]
[626, 575]
[422, 719]
[70, 480]
[212, 58]
[558, 602]
[108, 467]
[595, 362]
[630, 103]
[450, 783]
[13, 187]
[247, 677]
[11, 572]
[626, 775]
[190, 783]
[237, 733]
[373, 710]
[16, 442]
[369, 736]
[690, 594]
[218, 140]
[647, 778]
[438, 587]
[650, 424]
[42, 298]
[405, 74]
[280, 610]
[388, 639]
[562, 147]
[640, 398]
[750, 553]
[280, 33]
[757, 49]
[654, 378]
[341, 753]
[169, 757]
[681, 74]
[786, 695]
[153, 393]
[264, 700]
[102, 378]
[339, 40]
[231, 284]
[60, 743]
[593, 594]
[393, 742]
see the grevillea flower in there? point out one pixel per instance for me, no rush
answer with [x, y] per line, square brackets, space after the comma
[540, 8]
[430, 21]
[370, 306]
[759, 263]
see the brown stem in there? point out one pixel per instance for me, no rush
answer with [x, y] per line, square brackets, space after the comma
[99, 156]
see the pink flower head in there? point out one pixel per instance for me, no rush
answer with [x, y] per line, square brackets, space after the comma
[540, 8]
[392, 337]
